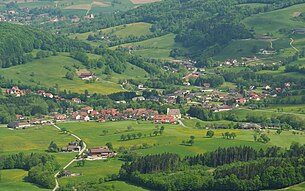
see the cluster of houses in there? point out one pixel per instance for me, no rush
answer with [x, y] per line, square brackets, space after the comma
[25, 15]
[111, 114]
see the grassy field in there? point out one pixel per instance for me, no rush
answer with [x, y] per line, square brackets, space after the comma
[172, 138]
[271, 22]
[158, 47]
[135, 29]
[34, 139]
[50, 71]
[241, 48]
[13, 180]
[37, 139]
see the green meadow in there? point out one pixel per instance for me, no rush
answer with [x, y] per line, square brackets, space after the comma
[271, 22]
[158, 47]
[37, 139]
[13, 180]
[133, 29]
[34, 140]
[51, 71]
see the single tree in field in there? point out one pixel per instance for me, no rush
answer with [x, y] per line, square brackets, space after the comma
[233, 135]
[210, 133]
[123, 137]
[156, 133]
[129, 128]
[139, 135]
[134, 136]
[128, 136]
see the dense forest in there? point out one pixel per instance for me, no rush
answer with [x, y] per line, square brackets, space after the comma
[232, 169]
[17, 42]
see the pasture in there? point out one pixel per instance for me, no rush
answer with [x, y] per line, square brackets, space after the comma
[122, 31]
[158, 47]
[34, 140]
[271, 22]
[241, 48]
[13, 180]
[51, 71]
[171, 139]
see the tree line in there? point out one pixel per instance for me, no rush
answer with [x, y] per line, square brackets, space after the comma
[236, 169]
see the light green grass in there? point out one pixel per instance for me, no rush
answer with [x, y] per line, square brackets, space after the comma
[50, 71]
[134, 29]
[158, 47]
[92, 171]
[271, 22]
[172, 138]
[13, 180]
[241, 48]
[34, 139]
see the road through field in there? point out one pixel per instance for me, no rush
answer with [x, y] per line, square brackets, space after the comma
[291, 44]
[73, 160]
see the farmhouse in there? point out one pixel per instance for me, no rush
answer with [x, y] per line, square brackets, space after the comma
[70, 148]
[87, 109]
[164, 119]
[17, 125]
[60, 117]
[86, 76]
[76, 100]
[174, 112]
[299, 31]
[100, 152]
[223, 108]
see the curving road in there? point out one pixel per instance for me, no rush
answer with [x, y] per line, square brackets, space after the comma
[73, 160]
[291, 44]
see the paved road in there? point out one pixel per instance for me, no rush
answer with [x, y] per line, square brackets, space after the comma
[73, 160]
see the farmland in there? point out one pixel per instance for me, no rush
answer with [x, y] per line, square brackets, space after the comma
[13, 180]
[50, 71]
[158, 47]
[92, 134]
[271, 22]
[133, 29]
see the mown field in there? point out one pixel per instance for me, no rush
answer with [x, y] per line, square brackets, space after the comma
[13, 180]
[34, 140]
[121, 31]
[50, 71]
[158, 47]
[271, 22]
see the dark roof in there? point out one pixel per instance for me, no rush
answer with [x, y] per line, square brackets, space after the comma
[13, 124]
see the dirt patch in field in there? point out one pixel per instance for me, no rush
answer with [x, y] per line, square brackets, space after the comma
[80, 6]
[296, 14]
[143, 1]
[101, 4]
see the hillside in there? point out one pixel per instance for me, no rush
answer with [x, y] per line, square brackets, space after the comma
[16, 41]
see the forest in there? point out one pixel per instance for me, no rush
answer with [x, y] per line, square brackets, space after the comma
[232, 169]
[17, 42]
